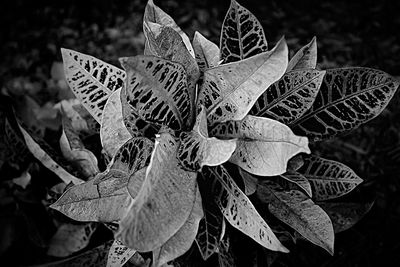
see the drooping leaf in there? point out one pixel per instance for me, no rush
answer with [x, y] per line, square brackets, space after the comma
[197, 149]
[119, 254]
[299, 212]
[299, 180]
[348, 97]
[250, 182]
[329, 179]
[242, 35]
[305, 58]
[113, 133]
[290, 97]
[264, 146]
[155, 14]
[182, 240]
[164, 201]
[238, 210]
[230, 90]
[91, 80]
[157, 91]
[206, 52]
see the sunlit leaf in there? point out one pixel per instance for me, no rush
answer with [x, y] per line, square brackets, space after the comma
[119, 254]
[91, 80]
[329, 179]
[229, 91]
[348, 98]
[305, 58]
[206, 52]
[290, 97]
[242, 35]
[299, 180]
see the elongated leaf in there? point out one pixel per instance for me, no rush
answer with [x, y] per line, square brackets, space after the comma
[119, 254]
[290, 97]
[250, 182]
[155, 14]
[264, 146]
[299, 180]
[299, 212]
[238, 210]
[242, 35]
[348, 98]
[91, 80]
[182, 240]
[329, 179]
[229, 91]
[206, 52]
[197, 149]
[305, 58]
[157, 91]
[164, 201]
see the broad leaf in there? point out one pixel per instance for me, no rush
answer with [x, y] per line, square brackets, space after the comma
[113, 133]
[230, 90]
[264, 146]
[206, 52]
[329, 179]
[250, 182]
[299, 212]
[348, 98]
[164, 201]
[157, 91]
[299, 180]
[119, 254]
[91, 80]
[155, 14]
[238, 210]
[242, 35]
[197, 149]
[290, 97]
[305, 58]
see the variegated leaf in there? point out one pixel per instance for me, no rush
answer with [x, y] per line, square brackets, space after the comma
[91, 80]
[250, 182]
[348, 98]
[230, 90]
[206, 52]
[305, 58]
[119, 254]
[264, 146]
[242, 35]
[238, 209]
[197, 149]
[182, 240]
[113, 132]
[155, 14]
[164, 201]
[290, 97]
[157, 91]
[299, 212]
[299, 180]
[329, 179]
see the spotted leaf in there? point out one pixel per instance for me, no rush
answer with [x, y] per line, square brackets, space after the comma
[305, 58]
[91, 80]
[348, 98]
[242, 35]
[206, 52]
[119, 254]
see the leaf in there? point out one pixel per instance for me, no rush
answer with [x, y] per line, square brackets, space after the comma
[230, 90]
[250, 182]
[289, 98]
[226, 258]
[206, 53]
[155, 14]
[299, 180]
[238, 210]
[113, 133]
[197, 149]
[164, 201]
[329, 179]
[348, 98]
[242, 35]
[23, 180]
[157, 91]
[182, 240]
[305, 58]
[264, 146]
[119, 254]
[299, 212]
[91, 80]
[70, 238]
[295, 163]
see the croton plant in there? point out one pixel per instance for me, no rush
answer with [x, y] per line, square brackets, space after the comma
[190, 129]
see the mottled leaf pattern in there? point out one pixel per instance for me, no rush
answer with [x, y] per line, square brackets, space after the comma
[242, 35]
[305, 58]
[157, 91]
[91, 80]
[329, 179]
[206, 52]
[299, 180]
[290, 97]
[230, 90]
[119, 254]
[238, 210]
[348, 98]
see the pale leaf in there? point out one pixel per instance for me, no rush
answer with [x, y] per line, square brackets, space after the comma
[206, 52]
[119, 254]
[305, 58]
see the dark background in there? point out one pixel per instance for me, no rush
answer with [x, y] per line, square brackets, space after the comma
[349, 33]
